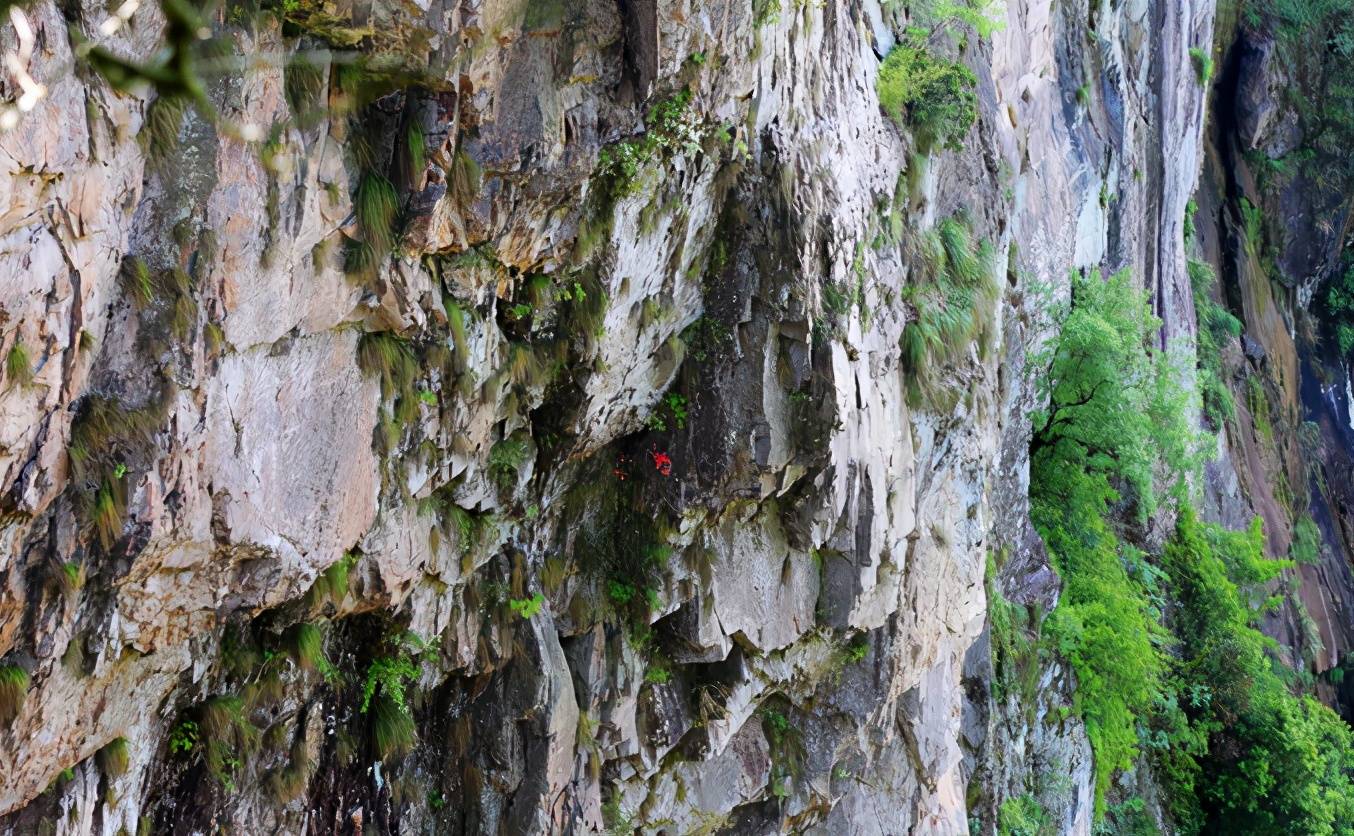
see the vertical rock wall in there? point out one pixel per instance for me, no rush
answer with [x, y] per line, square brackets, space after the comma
[631, 453]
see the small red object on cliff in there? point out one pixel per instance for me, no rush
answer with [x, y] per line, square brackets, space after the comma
[662, 462]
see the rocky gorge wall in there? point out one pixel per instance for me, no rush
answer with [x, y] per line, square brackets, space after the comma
[602, 495]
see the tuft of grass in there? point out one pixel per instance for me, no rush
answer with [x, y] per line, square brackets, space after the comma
[13, 689]
[525, 367]
[114, 758]
[160, 132]
[137, 282]
[956, 288]
[70, 577]
[106, 511]
[222, 715]
[418, 150]
[305, 81]
[173, 290]
[392, 358]
[102, 426]
[305, 644]
[102, 433]
[289, 782]
[183, 311]
[460, 342]
[18, 366]
[332, 584]
[392, 728]
[375, 205]
[228, 736]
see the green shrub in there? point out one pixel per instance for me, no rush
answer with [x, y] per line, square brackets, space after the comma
[1015, 658]
[389, 676]
[1203, 64]
[616, 538]
[671, 411]
[931, 97]
[669, 127]
[1338, 311]
[1217, 326]
[657, 674]
[507, 457]
[983, 15]
[526, 608]
[385, 695]
[1024, 816]
[765, 12]
[184, 737]
[1306, 545]
[1316, 40]
[785, 741]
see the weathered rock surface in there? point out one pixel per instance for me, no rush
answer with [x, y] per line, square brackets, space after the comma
[630, 478]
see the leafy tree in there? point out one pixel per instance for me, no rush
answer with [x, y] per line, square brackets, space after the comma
[1115, 416]
[1113, 404]
[1270, 762]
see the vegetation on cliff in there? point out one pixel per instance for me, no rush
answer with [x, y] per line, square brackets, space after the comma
[1164, 643]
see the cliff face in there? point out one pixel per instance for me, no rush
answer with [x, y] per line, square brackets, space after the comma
[608, 465]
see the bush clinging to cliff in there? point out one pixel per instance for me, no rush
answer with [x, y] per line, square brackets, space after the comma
[929, 96]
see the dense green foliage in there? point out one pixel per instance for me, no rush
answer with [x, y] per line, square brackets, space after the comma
[1167, 658]
[1247, 755]
[1095, 445]
[930, 96]
[385, 694]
